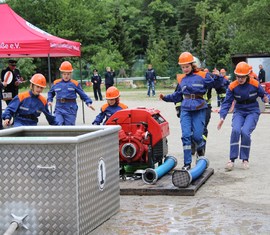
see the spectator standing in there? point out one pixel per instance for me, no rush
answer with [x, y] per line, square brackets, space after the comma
[112, 106]
[261, 75]
[66, 89]
[96, 81]
[1, 97]
[26, 107]
[151, 78]
[11, 89]
[244, 90]
[109, 78]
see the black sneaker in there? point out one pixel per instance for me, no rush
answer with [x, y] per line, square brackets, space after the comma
[201, 152]
[186, 167]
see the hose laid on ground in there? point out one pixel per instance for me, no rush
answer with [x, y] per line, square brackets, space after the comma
[201, 165]
[12, 228]
[182, 178]
[150, 176]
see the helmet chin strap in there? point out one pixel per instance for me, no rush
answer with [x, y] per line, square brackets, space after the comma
[32, 86]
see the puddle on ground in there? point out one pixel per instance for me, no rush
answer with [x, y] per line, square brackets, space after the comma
[186, 215]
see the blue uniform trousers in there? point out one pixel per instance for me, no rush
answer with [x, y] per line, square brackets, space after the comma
[66, 113]
[151, 86]
[192, 125]
[243, 125]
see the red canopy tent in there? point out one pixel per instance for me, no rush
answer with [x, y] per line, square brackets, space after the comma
[19, 38]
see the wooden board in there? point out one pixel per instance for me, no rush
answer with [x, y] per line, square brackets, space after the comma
[163, 186]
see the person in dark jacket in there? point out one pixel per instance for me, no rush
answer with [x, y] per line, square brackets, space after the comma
[1, 97]
[11, 87]
[109, 78]
[261, 75]
[150, 76]
[96, 81]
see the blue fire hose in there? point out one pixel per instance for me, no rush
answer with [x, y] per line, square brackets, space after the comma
[201, 165]
[150, 176]
[182, 178]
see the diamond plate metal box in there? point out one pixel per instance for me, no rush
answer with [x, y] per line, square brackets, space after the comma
[65, 179]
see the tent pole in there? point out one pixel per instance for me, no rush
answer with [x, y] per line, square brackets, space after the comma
[49, 75]
[82, 85]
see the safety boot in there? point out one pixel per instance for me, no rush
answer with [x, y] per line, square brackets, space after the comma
[201, 152]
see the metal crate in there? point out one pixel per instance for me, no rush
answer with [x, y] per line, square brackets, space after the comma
[64, 178]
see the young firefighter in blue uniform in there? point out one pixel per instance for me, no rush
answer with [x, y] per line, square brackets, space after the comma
[221, 93]
[244, 90]
[112, 106]
[26, 107]
[66, 89]
[192, 87]
[208, 98]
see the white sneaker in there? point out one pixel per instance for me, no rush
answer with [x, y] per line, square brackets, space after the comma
[245, 165]
[229, 166]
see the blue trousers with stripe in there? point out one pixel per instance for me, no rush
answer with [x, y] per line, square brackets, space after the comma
[192, 125]
[243, 124]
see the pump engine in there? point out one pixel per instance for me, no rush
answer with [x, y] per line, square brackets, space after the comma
[143, 137]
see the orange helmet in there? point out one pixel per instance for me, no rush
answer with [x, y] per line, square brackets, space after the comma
[242, 69]
[112, 93]
[66, 67]
[39, 80]
[186, 58]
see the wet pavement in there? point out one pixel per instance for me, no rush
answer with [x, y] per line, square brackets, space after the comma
[236, 202]
[187, 215]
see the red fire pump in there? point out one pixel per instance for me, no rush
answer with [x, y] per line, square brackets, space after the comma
[266, 86]
[142, 139]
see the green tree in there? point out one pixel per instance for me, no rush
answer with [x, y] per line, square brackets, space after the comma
[108, 58]
[156, 55]
[215, 25]
[251, 27]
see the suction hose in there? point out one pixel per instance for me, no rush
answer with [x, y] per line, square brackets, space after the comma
[16, 223]
[182, 178]
[150, 176]
[12, 228]
[201, 164]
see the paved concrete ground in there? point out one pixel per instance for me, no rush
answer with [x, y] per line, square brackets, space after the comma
[236, 202]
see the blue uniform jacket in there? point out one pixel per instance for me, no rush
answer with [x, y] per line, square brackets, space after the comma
[67, 90]
[26, 108]
[245, 96]
[194, 83]
[107, 111]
